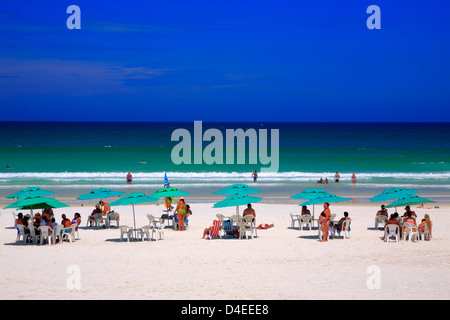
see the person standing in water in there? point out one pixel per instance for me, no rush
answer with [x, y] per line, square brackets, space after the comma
[255, 176]
[353, 178]
[129, 177]
[337, 176]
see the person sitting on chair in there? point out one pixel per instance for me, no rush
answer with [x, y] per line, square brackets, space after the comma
[305, 211]
[383, 211]
[341, 222]
[249, 211]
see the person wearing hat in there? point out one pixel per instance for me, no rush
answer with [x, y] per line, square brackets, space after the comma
[97, 209]
[180, 211]
[383, 211]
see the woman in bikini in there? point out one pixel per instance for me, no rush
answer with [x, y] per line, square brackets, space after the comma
[324, 221]
[181, 213]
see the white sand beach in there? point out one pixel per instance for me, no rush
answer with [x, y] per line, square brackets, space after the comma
[281, 263]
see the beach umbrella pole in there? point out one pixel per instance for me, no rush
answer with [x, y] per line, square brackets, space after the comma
[134, 221]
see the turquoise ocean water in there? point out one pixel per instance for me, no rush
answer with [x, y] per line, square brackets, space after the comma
[72, 158]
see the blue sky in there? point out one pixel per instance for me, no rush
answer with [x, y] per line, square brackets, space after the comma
[225, 61]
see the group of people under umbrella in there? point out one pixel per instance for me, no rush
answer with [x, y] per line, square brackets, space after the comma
[401, 197]
[236, 195]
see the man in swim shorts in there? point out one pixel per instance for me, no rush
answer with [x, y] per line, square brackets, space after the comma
[337, 176]
[255, 176]
[129, 178]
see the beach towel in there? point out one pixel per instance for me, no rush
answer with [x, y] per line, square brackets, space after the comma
[264, 226]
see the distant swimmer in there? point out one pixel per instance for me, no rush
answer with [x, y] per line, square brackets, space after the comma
[142, 162]
[129, 178]
[8, 167]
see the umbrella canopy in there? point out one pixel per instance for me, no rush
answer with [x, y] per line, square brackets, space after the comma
[44, 205]
[237, 189]
[30, 192]
[169, 192]
[133, 198]
[393, 193]
[236, 200]
[310, 194]
[36, 203]
[101, 193]
[29, 201]
[407, 200]
[325, 198]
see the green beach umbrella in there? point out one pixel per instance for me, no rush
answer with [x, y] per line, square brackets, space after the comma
[45, 205]
[133, 198]
[325, 198]
[237, 189]
[169, 192]
[407, 200]
[309, 194]
[393, 193]
[36, 203]
[30, 192]
[236, 200]
[101, 193]
[29, 201]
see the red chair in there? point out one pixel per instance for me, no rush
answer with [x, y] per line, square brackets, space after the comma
[214, 231]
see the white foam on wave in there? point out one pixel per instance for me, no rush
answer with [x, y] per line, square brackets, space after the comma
[217, 176]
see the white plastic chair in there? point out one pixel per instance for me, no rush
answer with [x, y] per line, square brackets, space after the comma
[380, 219]
[426, 234]
[68, 233]
[144, 232]
[21, 233]
[391, 230]
[345, 231]
[411, 231]
[295, 218]
[125, 230]
[15, 218]
[242, 230]
[306, 220]
[250, 225]
[236, 219]
[159, 231]
[98, 219]
[152, 221]
[32, 235]
[113, 217]
[57, 233]
[46, 234]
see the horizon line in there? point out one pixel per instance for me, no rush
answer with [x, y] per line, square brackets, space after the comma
[225, 121]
